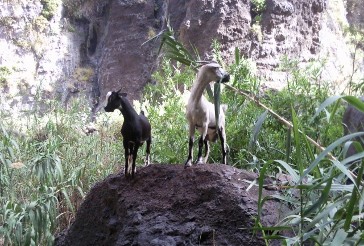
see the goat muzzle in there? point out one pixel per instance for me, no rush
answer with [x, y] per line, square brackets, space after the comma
[225, 78]
[108, 109]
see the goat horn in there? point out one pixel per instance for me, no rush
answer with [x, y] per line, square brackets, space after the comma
[201, 63]
[206, 62]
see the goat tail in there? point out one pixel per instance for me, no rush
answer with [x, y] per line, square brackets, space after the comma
[224, 107]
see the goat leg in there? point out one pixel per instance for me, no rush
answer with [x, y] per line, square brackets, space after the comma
[199, 155]
[190, 153]
[207, 150]
[127, 153]
[147, 158]
[131, 156]
[222, 137]
[135, 152]
[188, 163]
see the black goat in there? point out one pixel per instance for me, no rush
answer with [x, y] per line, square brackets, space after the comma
[135, 130]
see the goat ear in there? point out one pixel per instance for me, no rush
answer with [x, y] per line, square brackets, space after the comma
[123, 94]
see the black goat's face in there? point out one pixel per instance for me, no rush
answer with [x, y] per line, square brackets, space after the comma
[113, 100]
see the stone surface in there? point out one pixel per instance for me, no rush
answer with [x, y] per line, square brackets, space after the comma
[169, 205]
[125, 62]
[355, 10]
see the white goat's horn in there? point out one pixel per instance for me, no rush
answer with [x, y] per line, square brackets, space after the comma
[206, 62]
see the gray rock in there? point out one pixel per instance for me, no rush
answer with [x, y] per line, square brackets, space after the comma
[172, 214]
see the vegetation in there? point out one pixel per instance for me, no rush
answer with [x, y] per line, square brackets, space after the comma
[259, 5]
[40, 24]
[74, 8]
[49, 8]
[356, 37]
[48, 161]
[257, 9]
[326, 210]
[4, 73]
[83, 74]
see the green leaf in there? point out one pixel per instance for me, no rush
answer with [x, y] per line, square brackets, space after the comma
[339, 187]
[342, 167]
[339, 238]
[333, 112]
[325, 104]
[356, 102]
[288, 144]
[237, 56]
[324, 153]
[321, 201]
[175, 50]
[290, 170]
[355, 199]
[209, 92]
[325, 212]
[257, 128]
[298, 142]
[69, 203]
[217, 91]
[269, 228]
[260, 190]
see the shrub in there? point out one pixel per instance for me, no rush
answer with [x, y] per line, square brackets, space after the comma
[257, 9]
[4, 73]
[83, 74]
[42, 185]
[40, 23]
[49, 8]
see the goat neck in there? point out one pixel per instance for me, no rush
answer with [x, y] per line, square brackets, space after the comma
[126, 109]
[199, 86]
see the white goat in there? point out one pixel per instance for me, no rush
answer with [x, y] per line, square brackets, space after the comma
[200, 114]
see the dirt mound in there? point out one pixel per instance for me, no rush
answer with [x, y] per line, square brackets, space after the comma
[170, 205]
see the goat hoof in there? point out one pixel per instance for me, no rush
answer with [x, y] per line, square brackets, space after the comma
[188, 164]
[199, 162]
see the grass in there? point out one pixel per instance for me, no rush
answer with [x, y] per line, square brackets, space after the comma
[59, 164]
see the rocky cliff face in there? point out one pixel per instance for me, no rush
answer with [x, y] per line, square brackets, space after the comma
[103, 46]
[37, 54]
[355, 10]
[125, 61]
